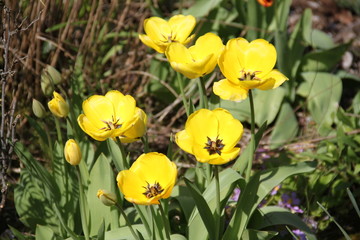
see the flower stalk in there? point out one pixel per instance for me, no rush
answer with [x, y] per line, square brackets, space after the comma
[202, 93]
[165, 221]
[252, 141]
[127, 221]
[218, 210]
[182, 93]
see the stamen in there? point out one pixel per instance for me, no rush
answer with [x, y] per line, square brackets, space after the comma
[214, 146]
[153, 190]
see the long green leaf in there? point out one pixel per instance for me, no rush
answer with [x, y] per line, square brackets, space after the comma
[203, 208]
[258, 187]
[228, 179]
[274, 215]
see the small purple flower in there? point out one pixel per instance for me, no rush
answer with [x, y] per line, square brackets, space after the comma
[291, 202]
[300, 234]
[235, 195]
[275, 190]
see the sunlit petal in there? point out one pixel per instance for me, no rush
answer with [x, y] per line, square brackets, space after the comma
[228, 91]
[272, 80]
[181, 27]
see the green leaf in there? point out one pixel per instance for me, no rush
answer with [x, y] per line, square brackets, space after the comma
[113, 50]
[66, 180]
[274, 215]
[241, 161]
[353, 201]
[320, 39]
[202, 8]
[17, 233]
[177, 237]
[347, 237]
[203, 208]
[228, 179]
[323, 61]
[125, 233]
[260, 184]
[101, 177]
[250, 234]
[286, 127]
[323, 92]
[346, 75]
[116, 155]
[44, 232]
[101, 232]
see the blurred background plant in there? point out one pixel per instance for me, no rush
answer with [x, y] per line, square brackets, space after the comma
[93, 46]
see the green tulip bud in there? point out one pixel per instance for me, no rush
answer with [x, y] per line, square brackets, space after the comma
[38, 109]
[106, 197]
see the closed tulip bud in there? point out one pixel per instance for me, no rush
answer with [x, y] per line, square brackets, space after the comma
[47, 87]
[106, 197]
[72, 152]
[58, 106]
[53, 74]
[38, 109]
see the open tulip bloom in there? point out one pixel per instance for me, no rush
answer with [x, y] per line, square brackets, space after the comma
[113, 115]
[160, 33]
[198, 60]
[151, 178]
[211, 136]
[247, 66]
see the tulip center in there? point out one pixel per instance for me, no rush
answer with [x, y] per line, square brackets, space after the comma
[247, 76]
[111, 125]
[153, 190]
[214, 146]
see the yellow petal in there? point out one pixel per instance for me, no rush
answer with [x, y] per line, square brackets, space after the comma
[137, 129]
[184, 141]
[228, 91]
[160, 48]
[181, 27]
[230, 129]
[258, 55]
[272, 80]
[229, 62]
[193, 69]
[98, 109]
[201, 125]
[225, 157]
[132, 186]
[92, 130]
[124, 106]
[176, 52]
[202, 154]
[157, 29]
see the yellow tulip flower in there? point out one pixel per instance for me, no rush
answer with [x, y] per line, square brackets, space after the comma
[160, 33]
[246, 66]
[58, 106]
[151, 178]
[138, 128]
[72, 152]
[199, 59]
[211, 136]
[111, 116]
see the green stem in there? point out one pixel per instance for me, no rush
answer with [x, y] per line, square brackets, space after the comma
[58, 131]
[127, 221]
[252, 141]
[82, 205]
[165, 221]
[217, 211]
[143, 219]
[181, 85]
[202, 93]
[145, 141]
[123, 156]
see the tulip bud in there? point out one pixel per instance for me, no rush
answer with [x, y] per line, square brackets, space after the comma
[53, 74]
[72, 152]
[58, 106]
[49, 77]
[38, 109]
[106, 197]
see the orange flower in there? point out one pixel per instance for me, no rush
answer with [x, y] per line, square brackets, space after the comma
[266, 3]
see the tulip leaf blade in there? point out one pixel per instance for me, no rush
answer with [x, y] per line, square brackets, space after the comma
[228, 179]
[45, 232]
[274, 215]
[97, 181]
[250, 234]
[260, 184]
[241, 161]
[203, 208]
[286, 127]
